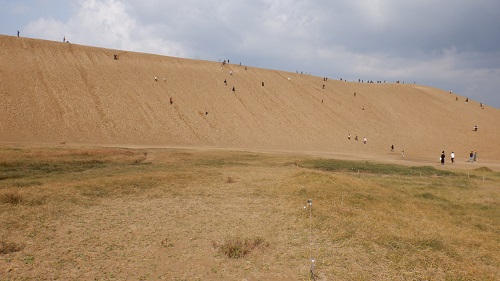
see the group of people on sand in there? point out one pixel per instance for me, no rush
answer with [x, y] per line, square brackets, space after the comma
[472, 157]
[64, 37]
[356, 138]
[231, 74]
[171, 100]
[467, 101]
[402, 151]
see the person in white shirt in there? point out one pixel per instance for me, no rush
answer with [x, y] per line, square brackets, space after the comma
[452, 156]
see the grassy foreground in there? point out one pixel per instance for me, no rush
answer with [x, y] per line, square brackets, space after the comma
[165, 214]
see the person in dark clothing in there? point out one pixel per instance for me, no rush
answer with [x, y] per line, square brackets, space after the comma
[442, 157]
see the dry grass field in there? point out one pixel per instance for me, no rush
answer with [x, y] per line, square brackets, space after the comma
[94, 213]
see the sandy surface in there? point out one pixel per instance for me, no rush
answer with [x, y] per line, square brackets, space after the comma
[56, 93]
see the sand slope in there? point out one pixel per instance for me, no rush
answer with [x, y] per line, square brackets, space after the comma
[53, 92]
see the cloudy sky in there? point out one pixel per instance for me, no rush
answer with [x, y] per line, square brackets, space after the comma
[453, 45]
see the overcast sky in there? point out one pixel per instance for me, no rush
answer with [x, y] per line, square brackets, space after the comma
[453, 45]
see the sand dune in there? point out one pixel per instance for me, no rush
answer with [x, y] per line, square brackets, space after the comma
[53, 92]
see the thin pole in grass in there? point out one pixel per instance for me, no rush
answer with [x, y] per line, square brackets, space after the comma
[313, 261]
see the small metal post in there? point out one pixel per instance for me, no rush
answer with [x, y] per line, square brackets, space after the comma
[313, 261]
[313, 267]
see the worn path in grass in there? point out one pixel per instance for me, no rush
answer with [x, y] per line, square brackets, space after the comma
[392, 157]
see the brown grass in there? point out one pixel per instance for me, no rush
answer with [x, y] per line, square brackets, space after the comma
[238, 247]
[7, 247]
[11, 197]
[229, 180]
[173, 215]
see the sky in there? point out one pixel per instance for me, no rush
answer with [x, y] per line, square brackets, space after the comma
[452, 45]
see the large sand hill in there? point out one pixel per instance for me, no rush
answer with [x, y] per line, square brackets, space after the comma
[54, 92]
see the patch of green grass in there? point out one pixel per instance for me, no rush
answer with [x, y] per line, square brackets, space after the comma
[427, 195]
[24, 169]
[483, 169]
[29, 259]
[483, 207]
[93, 191]
[226, 159]
[113, 186]
[370, 167]
[219, 163]
[28, 183]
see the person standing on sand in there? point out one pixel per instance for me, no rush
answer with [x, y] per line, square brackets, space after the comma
[442, 157]
[403, 154]
[452, 156]
[356, 138]
[392, 148]
[471, 155]
[364, 140]
[349, 137]
[475, 156]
